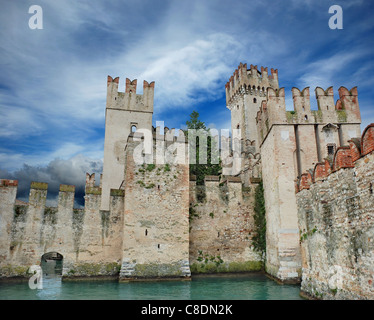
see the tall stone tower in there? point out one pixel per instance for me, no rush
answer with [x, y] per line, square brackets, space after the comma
[290, 143]
[245, 91]
[125, 112]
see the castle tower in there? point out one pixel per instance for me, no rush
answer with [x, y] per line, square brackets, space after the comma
[290, 143]
[156, 211]
[245, 91]
[125, 112]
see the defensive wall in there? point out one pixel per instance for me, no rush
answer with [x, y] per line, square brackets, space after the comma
[336, 217]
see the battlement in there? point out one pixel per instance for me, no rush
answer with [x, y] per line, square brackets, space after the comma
[8, 183]
[223, 188]
[130, 100]
[273, 109]
[38, 191]
[250, 81]
[344, 157]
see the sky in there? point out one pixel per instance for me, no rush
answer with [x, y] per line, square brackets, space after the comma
[53, 80]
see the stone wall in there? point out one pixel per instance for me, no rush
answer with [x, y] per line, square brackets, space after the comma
[336, 220]
[155, 233]
[221, 227]
[86, 238]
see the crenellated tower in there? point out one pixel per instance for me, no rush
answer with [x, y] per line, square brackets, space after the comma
[245, 91]
[125, 112]
[291, 142]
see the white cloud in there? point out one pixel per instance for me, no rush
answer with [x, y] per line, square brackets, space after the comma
[323, 72]
[181, 73]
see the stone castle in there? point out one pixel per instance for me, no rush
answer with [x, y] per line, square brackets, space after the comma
[150, 220]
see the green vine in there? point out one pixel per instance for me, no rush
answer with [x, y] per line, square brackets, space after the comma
[259, 239]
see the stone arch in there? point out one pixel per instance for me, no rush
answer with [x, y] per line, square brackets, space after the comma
[52, 263]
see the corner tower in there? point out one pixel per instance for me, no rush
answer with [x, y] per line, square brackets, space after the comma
[245, 91]
[291, 142]
[125, 112]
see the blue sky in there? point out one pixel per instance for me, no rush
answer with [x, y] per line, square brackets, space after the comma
[53, 81]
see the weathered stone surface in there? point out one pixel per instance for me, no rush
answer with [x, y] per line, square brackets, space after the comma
[336, 218]
[221, 228]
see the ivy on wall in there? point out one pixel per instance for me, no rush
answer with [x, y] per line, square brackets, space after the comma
[259, 239]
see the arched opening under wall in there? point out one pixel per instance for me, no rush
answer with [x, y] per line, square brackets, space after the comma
[51, 263]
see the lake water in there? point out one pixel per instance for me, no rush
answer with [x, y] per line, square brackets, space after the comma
[255, 286]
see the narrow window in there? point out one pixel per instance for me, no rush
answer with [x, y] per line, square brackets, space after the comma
[146, 232]
[254, 100]
[158, 246]
[303, 108]
[331, 149]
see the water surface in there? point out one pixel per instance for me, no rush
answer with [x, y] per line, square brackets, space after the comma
[255, 286]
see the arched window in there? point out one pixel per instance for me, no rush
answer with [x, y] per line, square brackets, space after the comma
[238, 126]
[306, 117]
[133, 128]
[254, 100]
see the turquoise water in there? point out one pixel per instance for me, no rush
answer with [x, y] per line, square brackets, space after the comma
[227, 287]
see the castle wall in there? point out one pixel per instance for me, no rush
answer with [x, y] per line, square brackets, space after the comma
[221, 227]
[155, 233]
[86, 238]
[336, 214]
